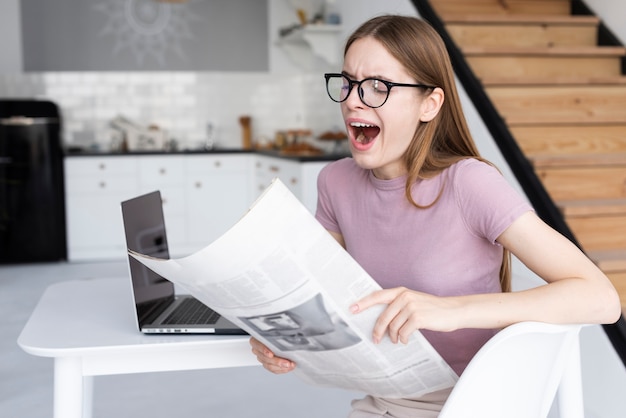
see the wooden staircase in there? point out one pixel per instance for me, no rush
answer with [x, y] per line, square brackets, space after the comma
[562, 96]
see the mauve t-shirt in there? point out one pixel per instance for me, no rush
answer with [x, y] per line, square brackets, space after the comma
[447, 249]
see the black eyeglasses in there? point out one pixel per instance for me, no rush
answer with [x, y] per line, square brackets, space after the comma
[373, 92]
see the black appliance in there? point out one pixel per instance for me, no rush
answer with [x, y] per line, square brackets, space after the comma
[32, 197]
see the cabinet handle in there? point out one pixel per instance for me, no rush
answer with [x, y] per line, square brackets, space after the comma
[198, 185]
[102, 184]
[294, 181]
[217, 164]
[102, 166]
[162, 171]
[274, 169]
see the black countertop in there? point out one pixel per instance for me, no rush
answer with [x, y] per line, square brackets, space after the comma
[215, 151]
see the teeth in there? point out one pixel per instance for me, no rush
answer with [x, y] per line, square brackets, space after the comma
[361, 125]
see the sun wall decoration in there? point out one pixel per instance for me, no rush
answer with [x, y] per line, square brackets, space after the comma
[148, 29]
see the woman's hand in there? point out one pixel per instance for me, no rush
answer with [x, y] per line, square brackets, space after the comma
[267, 358]
[408, 311]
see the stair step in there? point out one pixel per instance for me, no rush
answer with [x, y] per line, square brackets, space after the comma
[511, 32]
[560, 104]
[570, 139]
[594, 207]
[599, 62]
[544, 65]
[581, 183]
[579, 160]
[599, 232]
[565, 51]
[573, 80]
[609, 260]
[445, 8]
[598, 224]
[522, 19]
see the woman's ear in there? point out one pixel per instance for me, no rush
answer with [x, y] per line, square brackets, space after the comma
[432, 104]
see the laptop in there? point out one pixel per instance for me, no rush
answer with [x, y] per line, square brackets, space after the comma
[159, 309]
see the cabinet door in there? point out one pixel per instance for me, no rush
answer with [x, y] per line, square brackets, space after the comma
[217, 193]
[158, 172]
[95, 187]
[310, 171]
[262, 174]
[289, 172]
[167, 175]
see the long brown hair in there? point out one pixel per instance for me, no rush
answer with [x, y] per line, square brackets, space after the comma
[446, 139]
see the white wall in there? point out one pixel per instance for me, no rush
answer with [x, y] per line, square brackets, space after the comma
[613, 14]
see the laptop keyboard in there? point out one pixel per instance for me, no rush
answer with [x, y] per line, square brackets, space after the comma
[192, 311]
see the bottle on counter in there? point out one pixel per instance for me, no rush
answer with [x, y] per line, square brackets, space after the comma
[246, 131]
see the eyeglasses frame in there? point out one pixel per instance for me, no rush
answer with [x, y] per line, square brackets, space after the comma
[352, 83]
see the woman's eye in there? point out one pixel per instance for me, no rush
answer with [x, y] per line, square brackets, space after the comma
[379, 87]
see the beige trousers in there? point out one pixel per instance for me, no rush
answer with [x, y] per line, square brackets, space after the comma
[428, 406]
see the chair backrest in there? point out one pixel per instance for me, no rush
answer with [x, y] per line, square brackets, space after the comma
[516, 374]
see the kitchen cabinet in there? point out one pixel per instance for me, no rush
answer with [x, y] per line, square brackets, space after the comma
[167, 174]
[299, 177]
[217, 193]
[308, 191]
[94, 188]
[203, 195]
[268, 168]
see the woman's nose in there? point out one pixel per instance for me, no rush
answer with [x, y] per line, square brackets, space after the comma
[353, 99]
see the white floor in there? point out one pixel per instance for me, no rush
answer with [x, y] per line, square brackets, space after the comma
[26, 381]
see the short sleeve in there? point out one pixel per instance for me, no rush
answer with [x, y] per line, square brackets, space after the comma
[488, 202]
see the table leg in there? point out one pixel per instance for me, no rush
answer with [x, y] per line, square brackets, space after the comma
[87, 396]
[68, 387]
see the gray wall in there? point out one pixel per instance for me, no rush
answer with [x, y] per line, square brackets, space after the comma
[145, 35]
[10, 33]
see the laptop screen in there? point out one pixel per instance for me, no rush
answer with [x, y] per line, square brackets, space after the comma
[144, 226]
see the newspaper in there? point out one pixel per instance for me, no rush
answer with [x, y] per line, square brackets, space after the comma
[279, 275]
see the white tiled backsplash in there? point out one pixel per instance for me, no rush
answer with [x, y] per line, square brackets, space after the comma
[182, 103]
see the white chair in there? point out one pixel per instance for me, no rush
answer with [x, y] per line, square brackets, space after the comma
[517, 373]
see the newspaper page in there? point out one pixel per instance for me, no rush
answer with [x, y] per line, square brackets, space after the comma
[279, 275]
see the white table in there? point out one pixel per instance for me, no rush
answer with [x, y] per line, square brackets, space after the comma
[88, 327]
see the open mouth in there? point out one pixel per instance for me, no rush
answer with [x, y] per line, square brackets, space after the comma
[364, 133]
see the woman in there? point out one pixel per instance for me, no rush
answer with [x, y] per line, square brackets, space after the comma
[429, 219]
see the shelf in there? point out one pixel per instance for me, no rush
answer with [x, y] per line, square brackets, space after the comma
[319, 40]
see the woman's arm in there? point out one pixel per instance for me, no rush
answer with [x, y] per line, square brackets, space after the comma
[577, 291]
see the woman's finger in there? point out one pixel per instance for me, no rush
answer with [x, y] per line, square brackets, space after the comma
[269, 360]
[384, 296]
